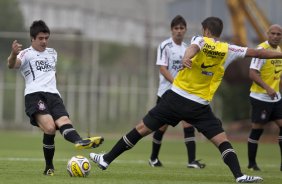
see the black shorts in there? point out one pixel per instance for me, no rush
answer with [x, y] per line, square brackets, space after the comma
[173, 108]
[44, 103]
[264, 112]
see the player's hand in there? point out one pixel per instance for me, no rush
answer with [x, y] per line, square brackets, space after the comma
[190, 52]
[272, 93]
[16, 47]
[187, 62]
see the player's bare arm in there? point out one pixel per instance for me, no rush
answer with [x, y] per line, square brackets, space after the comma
[164, 71]
[12, 60]
[262, 54]
[190, 52]
[255, 76]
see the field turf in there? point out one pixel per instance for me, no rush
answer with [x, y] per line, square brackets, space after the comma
[21, 161]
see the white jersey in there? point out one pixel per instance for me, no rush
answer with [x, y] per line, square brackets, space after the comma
[39, 70]
[169, 54]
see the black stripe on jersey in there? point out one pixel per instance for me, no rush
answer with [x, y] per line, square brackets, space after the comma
[32, 72]
[162, 49]
[194, 38]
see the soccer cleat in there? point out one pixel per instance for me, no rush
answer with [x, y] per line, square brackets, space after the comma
[254, 167]
[98, 159]
[155, 163]
[196, 165]
[49, 172]
[249, 179]
[91, 142]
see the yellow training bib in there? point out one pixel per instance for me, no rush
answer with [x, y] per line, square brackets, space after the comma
[207, 70]
[270, 72]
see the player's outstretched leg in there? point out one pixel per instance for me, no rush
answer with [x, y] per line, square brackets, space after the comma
[70, 134]
[99, 160]
[125, 143]
[91, 142]
[230, 158]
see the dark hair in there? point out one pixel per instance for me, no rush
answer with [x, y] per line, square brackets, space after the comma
[214, 25]
[37, 27]
[177, 20]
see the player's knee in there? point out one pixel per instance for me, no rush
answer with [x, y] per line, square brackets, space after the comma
[219, 138]
[62, 121]
[186, 125]
[279, 123]
[143, 129]
[163, 128]
[50, 129]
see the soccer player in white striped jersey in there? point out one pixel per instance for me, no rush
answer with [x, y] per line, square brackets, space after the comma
[43, 102]
[169, 60]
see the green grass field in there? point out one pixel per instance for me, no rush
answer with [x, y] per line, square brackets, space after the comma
[22, 162]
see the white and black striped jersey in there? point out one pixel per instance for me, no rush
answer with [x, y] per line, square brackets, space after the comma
[169, 54]
[39, 70]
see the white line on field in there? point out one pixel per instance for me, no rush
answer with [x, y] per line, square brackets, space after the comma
[116, 161]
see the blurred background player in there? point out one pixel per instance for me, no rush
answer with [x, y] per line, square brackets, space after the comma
[43, 103]
[265, 94]
[169, 60]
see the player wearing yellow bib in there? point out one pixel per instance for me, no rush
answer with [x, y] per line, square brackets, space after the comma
[169, 60]
[265, 94]
[204, 62]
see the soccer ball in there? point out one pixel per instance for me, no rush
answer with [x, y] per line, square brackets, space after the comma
[78, 166]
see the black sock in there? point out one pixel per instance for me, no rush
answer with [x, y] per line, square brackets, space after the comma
[253, 145]
[156, 144]
[280, 144]
[127, 142]
[230, 158]
[189, 138]
[49, 150]
[69, 133]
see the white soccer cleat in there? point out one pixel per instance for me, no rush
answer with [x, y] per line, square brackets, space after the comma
[98, 159]
[196, 165]
[249, 179]
[155, 163]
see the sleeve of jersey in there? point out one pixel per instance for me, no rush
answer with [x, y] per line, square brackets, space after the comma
[162, 56]
[257, 63]
[22, 56]
[236, 52]
[198, 40]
